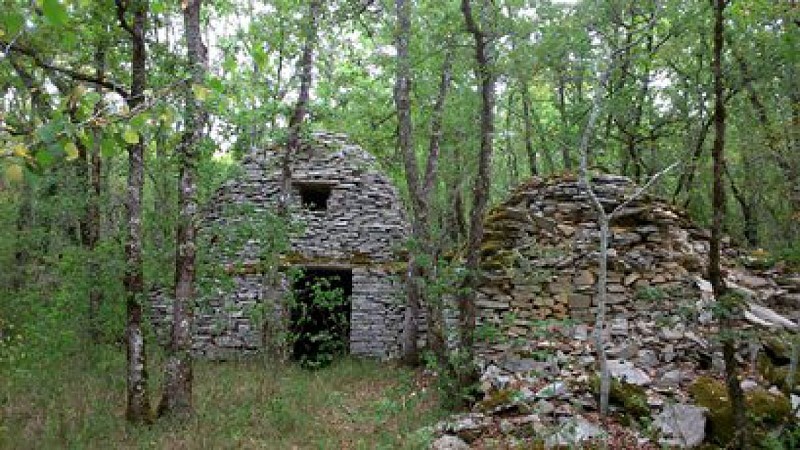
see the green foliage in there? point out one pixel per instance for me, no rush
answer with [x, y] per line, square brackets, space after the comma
[650, 294]
[320, 321]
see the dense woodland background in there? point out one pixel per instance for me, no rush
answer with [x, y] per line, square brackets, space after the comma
[118, 118]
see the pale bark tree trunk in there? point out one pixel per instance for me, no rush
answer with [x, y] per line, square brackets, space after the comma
[528, 126]
[486, 75]
[178, 376]
[562, 110]
[138, 405]
[603, 222]
[718, 211]
[301, 106]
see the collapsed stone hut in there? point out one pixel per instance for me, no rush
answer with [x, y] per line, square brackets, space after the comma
[539, 266]
[352, 228]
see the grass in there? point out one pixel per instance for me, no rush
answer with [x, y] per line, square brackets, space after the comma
[353, 404]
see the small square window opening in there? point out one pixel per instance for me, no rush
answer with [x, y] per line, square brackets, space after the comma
[314, 196]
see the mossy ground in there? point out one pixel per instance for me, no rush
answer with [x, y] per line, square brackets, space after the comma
[631, 398]
[353, 404]
[765, 411]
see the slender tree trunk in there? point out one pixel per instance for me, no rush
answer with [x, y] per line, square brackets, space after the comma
[718, 206]
[93, 210]
[301, 106]
[528, 126]
[178, 376]
[603, 221]
[485, 73]
[402, 99]
[748, 214]
[138, 407]
[24, 222]
[789, 166]
[562, 109]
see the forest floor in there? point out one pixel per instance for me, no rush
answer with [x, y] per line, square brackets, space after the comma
[353, 404]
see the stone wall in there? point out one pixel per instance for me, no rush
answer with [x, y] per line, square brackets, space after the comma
[540, 254]
[362, 229]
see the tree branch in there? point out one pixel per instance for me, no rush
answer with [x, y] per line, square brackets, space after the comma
[71, 73]
[122, 7]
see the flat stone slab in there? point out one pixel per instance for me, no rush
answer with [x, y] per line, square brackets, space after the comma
[681, 425]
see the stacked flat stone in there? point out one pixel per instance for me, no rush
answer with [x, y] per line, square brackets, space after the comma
[362, 229]
[540, 266]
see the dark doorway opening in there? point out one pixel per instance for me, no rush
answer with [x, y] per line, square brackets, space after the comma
[320, 315]
[314, 196]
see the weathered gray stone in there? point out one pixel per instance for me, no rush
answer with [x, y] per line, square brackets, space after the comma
[681, 425]
[552, 390]
[573, 433]
[467, 426]
[625, 371]
[449, 442]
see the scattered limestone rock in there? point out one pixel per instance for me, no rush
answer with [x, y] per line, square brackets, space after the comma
[449, 442]
[573, 432]
[625, 371]
[555, 389]
[467, 426]
[681, 425]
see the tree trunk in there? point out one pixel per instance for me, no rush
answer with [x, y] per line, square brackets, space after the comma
[718, 210]
[562, 109]
[177, 396]
[93, 211]
[528, 126]
[24, 222]
[301, 106]
[402, 99]
[434, 311]
[138, 407]
[748, 214]
[486, 75]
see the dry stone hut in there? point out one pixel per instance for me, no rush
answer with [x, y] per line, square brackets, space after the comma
[539, 267]
[352, 227]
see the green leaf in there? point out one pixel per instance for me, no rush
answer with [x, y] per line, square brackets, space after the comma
[44, 158]
[229, 64]
[48, 132]
[215, 84]
[71, 150]
[158, 8]
[11, 23]
[55, 12]
[91, 98]
[130, 136]
[139, 121]
[200, 92]
[13, 172]
[108, 147]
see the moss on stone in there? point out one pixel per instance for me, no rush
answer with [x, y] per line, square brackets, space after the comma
[495, 399]
[776, 374]
[631, 398]
[764, 409]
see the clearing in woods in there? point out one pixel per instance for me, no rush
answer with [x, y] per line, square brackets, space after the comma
[353, 404]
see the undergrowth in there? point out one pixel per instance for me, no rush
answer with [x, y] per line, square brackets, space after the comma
[78, 402]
